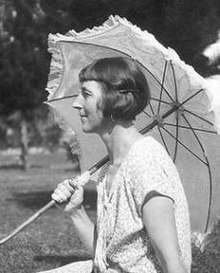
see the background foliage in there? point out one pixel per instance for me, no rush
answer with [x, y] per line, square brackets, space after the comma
[188, 26]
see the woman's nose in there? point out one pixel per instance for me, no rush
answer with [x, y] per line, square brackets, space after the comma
[77, 103]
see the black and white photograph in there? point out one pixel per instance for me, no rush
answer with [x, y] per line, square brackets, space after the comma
[109, 136]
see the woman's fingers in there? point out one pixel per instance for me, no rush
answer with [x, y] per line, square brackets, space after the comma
[70, 187]
[77, 197]
[60, 196]
[69, 193]
[63, 192]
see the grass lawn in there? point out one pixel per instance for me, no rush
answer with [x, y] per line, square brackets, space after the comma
[49, 242]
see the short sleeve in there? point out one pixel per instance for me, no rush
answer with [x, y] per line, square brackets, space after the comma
[152, 170]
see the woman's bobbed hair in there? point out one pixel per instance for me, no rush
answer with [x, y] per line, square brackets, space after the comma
[125, 89]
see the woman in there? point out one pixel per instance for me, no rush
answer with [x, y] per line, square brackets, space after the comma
[143, 221]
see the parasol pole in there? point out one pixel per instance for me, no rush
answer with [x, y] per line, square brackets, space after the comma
[158, 119]
[28, 221]
[50, 204]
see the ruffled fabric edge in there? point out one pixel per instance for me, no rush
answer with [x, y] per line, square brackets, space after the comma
[56, 69]
[57, 65]
[213, 93]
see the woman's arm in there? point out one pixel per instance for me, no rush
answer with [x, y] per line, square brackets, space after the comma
[158, 217]
[84, 228]
[69, 198]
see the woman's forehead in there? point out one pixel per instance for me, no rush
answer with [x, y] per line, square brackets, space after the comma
[92, 86]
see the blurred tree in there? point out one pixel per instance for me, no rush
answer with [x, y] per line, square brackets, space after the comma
[188, 26]
[23, 70]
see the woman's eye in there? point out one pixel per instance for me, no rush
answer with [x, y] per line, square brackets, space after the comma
[86, 94]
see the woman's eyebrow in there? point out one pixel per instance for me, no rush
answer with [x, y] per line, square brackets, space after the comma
[84, 89]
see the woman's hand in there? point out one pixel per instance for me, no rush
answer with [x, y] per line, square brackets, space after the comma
[67, 196]
[69, 193]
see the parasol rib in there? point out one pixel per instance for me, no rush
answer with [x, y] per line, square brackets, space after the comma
[188, 128]
[174, 80]
[197, 116]
[162, 101]
[209, 172]
[164, 142]
[192, 96]
[161, 90]
[177, 137]
[152, 109]
[185, 146]
[149, 116]
[126, 54]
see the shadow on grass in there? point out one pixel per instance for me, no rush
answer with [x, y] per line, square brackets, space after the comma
[36, 200]
[20, 167]
[11, 167]
[63, 260]
[31, 200]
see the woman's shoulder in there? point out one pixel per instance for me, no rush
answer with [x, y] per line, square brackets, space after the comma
[147, 144]
[148, 152]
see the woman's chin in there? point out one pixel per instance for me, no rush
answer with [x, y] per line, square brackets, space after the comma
[86, 129]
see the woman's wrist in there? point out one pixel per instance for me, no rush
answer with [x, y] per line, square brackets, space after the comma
[77, 212]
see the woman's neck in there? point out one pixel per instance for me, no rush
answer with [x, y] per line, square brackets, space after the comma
[119, 141]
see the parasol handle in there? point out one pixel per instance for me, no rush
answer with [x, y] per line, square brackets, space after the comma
[50, 204]
[91, 171]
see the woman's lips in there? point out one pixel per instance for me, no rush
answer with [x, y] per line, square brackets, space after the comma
[83, 117]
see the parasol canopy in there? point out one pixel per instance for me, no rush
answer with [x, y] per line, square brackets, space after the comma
[180, 113]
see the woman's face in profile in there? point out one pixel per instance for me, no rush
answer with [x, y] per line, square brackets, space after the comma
[87, 104]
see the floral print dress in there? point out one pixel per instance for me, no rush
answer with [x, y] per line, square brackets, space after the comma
[123, 244]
